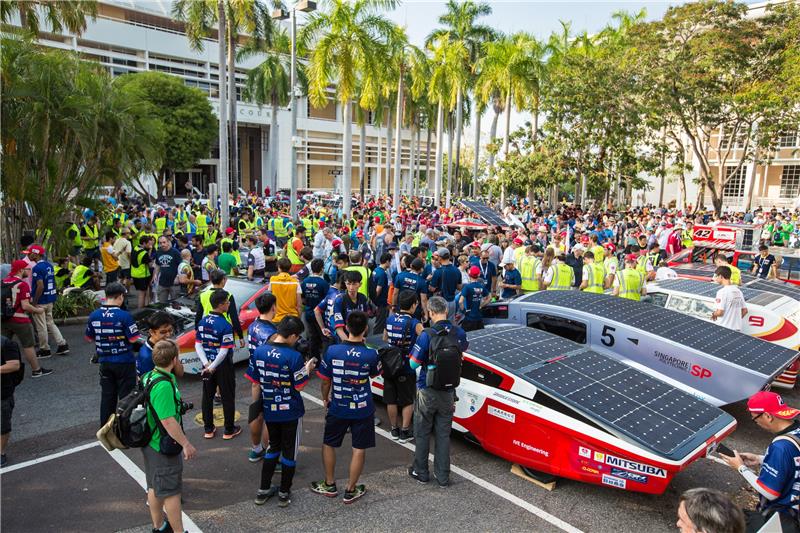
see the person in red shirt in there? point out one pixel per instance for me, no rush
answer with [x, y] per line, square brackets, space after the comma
[20, 324]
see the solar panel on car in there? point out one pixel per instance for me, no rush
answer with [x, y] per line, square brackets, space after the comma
[703, 288]
[489, 215]
[778, 287]
[734, 347]
[626, 401]
[706, 271]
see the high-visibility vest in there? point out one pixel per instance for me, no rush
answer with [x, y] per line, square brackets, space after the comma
[91, 241]
[280, 228]
[687, 238]
[205, 302]
[597, 274]
[259, 221]
[641, 264]
[142, 270]
[308, 225]
[736, 275]
[161, 224]
[519, 253]
[61, 276]
[234, 253]
[599, 253]
[654, 258]
[562, 277]
[527, 270]
[210, 237]
[80, 275]
[610, 262]
[271, 225]
[202, 224]
[76, 240]
[365, 274]
[631, 282]
[417, 238]
[291, 253]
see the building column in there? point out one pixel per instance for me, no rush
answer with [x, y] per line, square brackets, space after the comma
[265, 177]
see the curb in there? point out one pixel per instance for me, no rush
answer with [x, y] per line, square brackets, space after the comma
[71, 321]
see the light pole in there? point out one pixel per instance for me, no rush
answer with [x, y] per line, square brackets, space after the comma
[305, 6]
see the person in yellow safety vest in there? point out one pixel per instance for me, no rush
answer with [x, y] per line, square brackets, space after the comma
[611, 263]
[687, 236]
[73, 234]
[83, 277]
[116, 227]
[229, 234]
[355, 265]
[557, 245]
[90, 238]
[654, 258]
[281, 233]
[630, 283]
[560, 276]
[722, 260]
[308, 225]
[210, 236]
[519, 252]
[62, 272]
[594, 274]
[140, 269]
[293, 249]
[137, 232]
[528, 267]
[202, 220]
[595, 247]
[643, 264]
[218, 281]
[160, 222]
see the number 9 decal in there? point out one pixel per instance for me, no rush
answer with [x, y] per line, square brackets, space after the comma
[757, 321]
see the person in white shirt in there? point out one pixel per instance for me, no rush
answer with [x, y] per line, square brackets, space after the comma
[730, 307]
[322, 243]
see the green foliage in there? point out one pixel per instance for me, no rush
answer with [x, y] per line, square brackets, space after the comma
[75, 303]
[57, 15]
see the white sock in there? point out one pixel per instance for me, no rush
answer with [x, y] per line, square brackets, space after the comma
[258, 449]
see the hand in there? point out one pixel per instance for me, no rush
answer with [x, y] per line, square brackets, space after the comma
[189, 451]
[326, 332]
[734, 462]
[714, 317]
[750, 459]
[310, 364]
[325, 403]
[241, 343]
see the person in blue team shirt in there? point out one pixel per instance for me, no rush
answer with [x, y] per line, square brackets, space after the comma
[323, 312]
[413, 280]
[278, 374]
[402, 330]
[259, 332]
[473, 296]
[345, 370]
[314, 289]
[380, 279]
[214, 345]
[161, 326]
[512, 280]
[349, 301]
[446, 282]
[488, 272]
[777, 480]
[433, 412]
[44, 294]
[114, 333]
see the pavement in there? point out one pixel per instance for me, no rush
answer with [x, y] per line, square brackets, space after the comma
[88, 489]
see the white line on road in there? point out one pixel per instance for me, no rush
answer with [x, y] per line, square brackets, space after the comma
[519, 502]
[50, 457]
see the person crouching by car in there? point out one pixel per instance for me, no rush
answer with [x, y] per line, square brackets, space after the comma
[169, 446]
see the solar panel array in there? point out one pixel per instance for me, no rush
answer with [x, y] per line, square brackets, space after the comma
[626, 401]
[737, 348]
[704, 288]
[487, 214]
[706, 271]
[778, 287]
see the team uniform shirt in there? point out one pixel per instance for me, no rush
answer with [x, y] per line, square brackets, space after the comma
[730, 301]
[326, 307]
[44, 271]
[343, 306]
[419, 353]
[764, 265]
[113, 330]
[473, 293]
[349, 367]
[381, 279]
[779, 472]
[314, 290]
[445, 281]
[281, 372]
[408, 280]
[401, 330]
[255, 259]
[215, 334]
[259, 333]
[488, 273]
[511, 277]
[144, 361]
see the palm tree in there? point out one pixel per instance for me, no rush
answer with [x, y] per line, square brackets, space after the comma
[69, 14]
[347, 48]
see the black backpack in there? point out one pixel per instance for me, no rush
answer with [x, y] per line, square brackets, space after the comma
[391, 356]
[130, 424]
[7, 307]
[444, 359]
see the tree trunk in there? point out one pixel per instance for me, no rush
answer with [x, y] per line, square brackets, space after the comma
[234, 147]
[362, 154]
[505, 145]
[449, 159]
[222, 168]
[437, 194]
[388, 161]
[347, 158]
[398, 144]
[476, 162]
[459, 123]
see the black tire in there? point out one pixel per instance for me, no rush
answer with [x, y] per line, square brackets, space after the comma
[542, 477]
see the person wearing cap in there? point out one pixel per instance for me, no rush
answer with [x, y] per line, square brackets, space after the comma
[512, 280]
[446, 281]
[474, 295]
[574, 260]
[19, 325]
[44, 296]
[510, 253]
[776, 481]
[293, 249]
[610, 262]
[528, 267]
[630, 283]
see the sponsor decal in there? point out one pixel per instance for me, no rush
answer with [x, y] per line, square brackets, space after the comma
[614, 481]
[676, 362]
[528, 447]
[634, 466]
[273, 407]
[505, 415]
[590, 470]
[284, 407]
[337, 362]
[506, 398]
[600, 457]
[632, 476]
[584, 452]
[362, 405]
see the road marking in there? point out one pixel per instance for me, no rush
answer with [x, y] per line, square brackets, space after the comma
[46, 458]
[519, 502]
[138, 475]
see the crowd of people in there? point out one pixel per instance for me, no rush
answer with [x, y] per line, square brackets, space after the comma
[418, 277]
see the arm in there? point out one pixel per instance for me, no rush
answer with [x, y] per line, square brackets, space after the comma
[10, 366]
[744, 312]
[320, 322]
[201, 353]
[325, 390]
[255, 391]
[38, 292]
[27, 307]
[234, 313]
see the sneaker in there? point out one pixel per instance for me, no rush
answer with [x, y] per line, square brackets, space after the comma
[255, 456]
[3, 460]
[210, 433]
[376, 421]
[419, 477]
[284, 499]
[263, 495]
[442, 484]
[63, 349]
[43, 354]
[352, 495]
[41, 372]
[395, 433]
[233, 434]
[165, 528]
[217, 399]
[406, 435]
[321, 487]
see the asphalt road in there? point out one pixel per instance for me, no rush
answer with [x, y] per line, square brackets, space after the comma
[91, 490]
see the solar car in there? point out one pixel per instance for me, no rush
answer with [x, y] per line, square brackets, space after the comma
[708, 361]
[183, 310]
[561, 408]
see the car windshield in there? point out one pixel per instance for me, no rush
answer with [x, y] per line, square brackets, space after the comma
[241, 290]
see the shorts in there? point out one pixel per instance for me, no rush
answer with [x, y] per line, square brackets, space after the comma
[400, 390]
[6, 408]
[93, 253]
[124, 273]
[23, 332]
[255, 410]
[164, 473]
[112, 276]
[362, 431]
[142, 284]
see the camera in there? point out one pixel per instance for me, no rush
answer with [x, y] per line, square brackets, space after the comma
[186, 406]
[303, 347]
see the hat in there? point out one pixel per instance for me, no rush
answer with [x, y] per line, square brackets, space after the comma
[321, 224]
[443, 252]
[474, 272]
[18, 265]
[543, 229]
[359, 233]
[578, 248]
[772, 403]
[336, 242]
[610, 246]
[228, 231]
[518, 241]
[631, 257]
[35, 249]
[475, 244]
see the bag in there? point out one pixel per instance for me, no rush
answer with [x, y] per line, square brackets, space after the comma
[372, 287]
[130, 423]
[7, 307]
[392, 357]
[444, 360]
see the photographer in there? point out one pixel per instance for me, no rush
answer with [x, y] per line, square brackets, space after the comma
[163, 463]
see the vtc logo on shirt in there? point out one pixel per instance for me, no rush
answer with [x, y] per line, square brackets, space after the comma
[353, 352]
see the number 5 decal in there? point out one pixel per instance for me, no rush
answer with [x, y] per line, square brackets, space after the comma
[606, 336]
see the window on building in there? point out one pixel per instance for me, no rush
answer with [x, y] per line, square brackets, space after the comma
[788, 139]
[790, 181]
[734, 188]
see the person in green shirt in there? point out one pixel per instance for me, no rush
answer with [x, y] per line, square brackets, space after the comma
[227, 261]
[164, 472]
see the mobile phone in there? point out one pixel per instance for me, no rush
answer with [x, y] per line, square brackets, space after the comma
[724, 450]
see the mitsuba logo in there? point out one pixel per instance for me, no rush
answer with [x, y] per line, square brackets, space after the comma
[635, 467]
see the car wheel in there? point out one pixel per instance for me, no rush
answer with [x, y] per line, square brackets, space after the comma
[542, 477]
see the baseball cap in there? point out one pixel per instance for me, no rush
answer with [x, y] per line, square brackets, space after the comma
[474, 272]
[610, 246]
[35, 249]
[518, 241]
[476, 244]
[772, 403]
[18, 265]
[578, 248]
[359, 233]
[631, 257]
[444, 253]
[336, 242]
[228, 231]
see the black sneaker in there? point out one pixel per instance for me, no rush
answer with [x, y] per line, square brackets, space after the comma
[395, 433]
[406, 435]
[165, 528]
[41, 372]
[263, 495]
[63, 349]
[236, 431]
[284, 499]
[419, 477]
[352, 495]
[442, 484]
[43, 354]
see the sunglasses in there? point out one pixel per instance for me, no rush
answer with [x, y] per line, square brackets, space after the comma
[757, 417]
